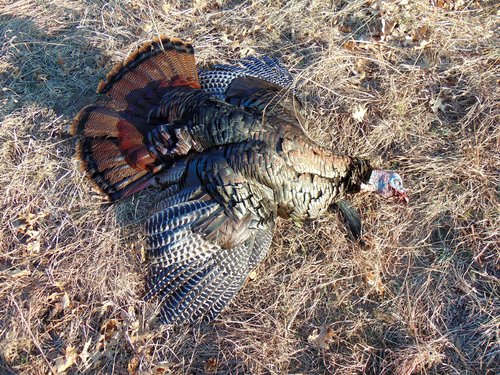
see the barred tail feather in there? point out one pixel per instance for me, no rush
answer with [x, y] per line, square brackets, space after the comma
[113, 144]
[163, 59]
[113, 151]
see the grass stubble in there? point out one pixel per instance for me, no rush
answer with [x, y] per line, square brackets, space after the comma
[415, 85]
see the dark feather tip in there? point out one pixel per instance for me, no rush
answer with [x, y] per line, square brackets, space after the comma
[351, 219]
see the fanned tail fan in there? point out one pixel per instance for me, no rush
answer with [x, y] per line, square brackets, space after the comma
[113, 132]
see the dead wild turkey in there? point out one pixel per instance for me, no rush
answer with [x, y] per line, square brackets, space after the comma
[230, 156]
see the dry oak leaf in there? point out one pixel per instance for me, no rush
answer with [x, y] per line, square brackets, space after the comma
[69, 359]
[350, 45]
[322, 339]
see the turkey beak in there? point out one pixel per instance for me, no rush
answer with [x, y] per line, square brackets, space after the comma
[403, 196]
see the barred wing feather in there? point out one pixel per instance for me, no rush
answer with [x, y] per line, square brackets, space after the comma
[272, 70]
[190, 272]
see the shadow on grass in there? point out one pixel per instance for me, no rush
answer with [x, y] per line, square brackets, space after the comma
[44, 75]
[57, 70]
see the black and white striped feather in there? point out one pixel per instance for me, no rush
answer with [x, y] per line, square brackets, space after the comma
[191, 274]
[216, 80]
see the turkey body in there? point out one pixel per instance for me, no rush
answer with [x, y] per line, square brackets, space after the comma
[228, 153]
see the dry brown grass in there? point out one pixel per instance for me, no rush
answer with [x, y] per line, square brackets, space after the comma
[421, 296]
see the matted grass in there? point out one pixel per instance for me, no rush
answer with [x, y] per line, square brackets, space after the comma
[413, 84]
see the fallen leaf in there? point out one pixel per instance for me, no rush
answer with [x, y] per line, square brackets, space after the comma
[211, 365]
[423, 44]
[110, 330]
[69, 359]
[350, 45]
[33, 247]
[442, 3]
[27, 226]
[374, 279]
[133, 365]
[321, 340]
[359, 113]
[111, 333]
[361, 68]
[387, 27]
[437, 105]
[161, 369]
[66, 303]
[252, 275]
[85, 355]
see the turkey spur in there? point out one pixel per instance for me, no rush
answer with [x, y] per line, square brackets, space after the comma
[227, 152]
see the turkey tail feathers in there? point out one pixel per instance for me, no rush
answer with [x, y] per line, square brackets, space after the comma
[113, 144]
[163, 59]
